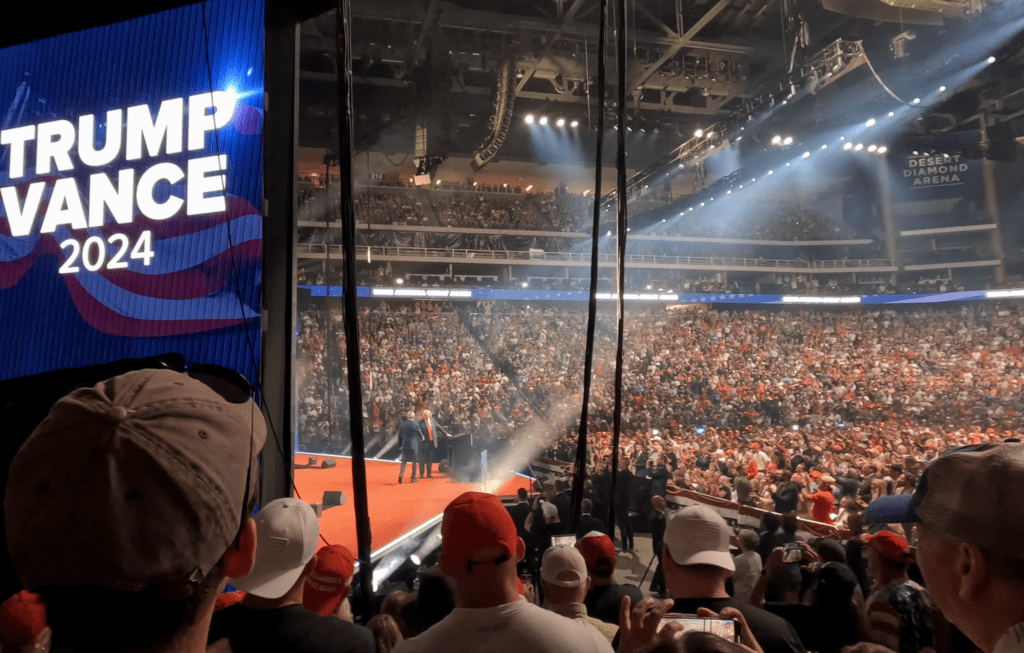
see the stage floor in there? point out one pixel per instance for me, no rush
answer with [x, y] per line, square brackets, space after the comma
[395, 509]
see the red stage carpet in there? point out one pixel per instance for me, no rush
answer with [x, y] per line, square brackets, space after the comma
[394, 509]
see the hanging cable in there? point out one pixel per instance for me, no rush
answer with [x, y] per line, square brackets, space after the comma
[863, 53]
[579, 473]
[350, 314]
[620, 277]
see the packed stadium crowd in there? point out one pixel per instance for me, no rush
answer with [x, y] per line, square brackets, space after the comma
[560, 211]
[506, 578]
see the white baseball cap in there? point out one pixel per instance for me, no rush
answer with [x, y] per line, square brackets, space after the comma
[698, 535]
[549, 509]
[287, 534]
[563, 566]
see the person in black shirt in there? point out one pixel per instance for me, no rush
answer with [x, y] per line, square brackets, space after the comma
[271, 617]
[697, 564]
[623, 492]
[604, 598]
[658, 521]
[830, 621]
[588, 522]
[520, 511]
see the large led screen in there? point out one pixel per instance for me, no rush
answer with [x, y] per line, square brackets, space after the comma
[130, 191]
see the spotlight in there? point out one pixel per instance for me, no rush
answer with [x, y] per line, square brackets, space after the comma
[916, 100]
[574, 123]
[872, 147]
[842, 138]
[807, 155]
[741, 186]
[691, 209]
[399, 281]
[771, 172]
[561, 122]
[702, 203]
[728, 192]
[893, 113]
[529, 187]
[609, 234]
[710, 134]
[698, 133]
[648, 287]
[848, 146]
[776, 140]
[870, 123]
[529, 119]
[543, 120]
[788, 140]
[942, 89]
[824, 147]
[526, 284]
[991, 59]
[858, 147]
[883, 150]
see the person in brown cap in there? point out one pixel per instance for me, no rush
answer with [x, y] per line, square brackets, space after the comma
[128, 507]
[970, 547]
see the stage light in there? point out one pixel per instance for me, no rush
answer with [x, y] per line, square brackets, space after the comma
[942, 89]
[872, 147]
[712, 199]
[991, 59]
[728, 192]
[648, 287]
[702, 203]
[788, 140]
[654, 431]
[543, 120]
[870, 123]
[848, 146]
[858, 147]
[892, 114]
[710, 134]
[796, 427]
[916, 153]
[529, 119]
[399, 281]
[698, 133]
[741, 185]
[883, 150]
[807, 155]
[682, 165]
[561, 122]
[776, 140]
[842, 138]
[609, 234]
[526, 284]
[771, 172]
[574, 123]
[474, 184]
[691, 209]
[787, 164]
[529, 187]
[916, 100]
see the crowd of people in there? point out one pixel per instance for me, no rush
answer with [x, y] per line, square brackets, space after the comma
[170, 526]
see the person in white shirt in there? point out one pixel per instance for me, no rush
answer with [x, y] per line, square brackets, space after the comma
[480, 549]
[748, 565]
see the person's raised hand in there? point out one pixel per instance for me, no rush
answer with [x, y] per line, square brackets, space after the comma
[775, 561]
[639, 626]
[810, 554]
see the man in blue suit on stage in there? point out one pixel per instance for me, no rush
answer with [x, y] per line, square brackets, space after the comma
[409, 437]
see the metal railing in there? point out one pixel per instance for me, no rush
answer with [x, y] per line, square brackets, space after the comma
[502, 256]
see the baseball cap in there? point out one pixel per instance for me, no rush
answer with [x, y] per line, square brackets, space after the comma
[549, 509]
[473, 522]
[890, 546]
[594, 546]
[286, 537]
[146, 471]
[327, 585]
[967, 493]
[697, 535]
[22, 618]
[836, 584]
[563, 566]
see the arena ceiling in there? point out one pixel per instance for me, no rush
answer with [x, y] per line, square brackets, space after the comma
[691, 62]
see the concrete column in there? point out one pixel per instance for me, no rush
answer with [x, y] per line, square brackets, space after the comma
[885, 207]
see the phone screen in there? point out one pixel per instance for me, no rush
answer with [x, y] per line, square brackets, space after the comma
[563, 540]
[724, 628]
[793, 553]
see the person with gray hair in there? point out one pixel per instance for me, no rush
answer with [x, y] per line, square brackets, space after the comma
[748, 565]
[970, 526]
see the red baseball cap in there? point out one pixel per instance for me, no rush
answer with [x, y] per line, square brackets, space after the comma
[596, 545]
[473, 522]
[890, 546]
[22, 618]
[328, 585]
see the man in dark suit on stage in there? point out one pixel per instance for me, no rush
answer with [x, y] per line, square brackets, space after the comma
[432, 433]
[409, 438]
